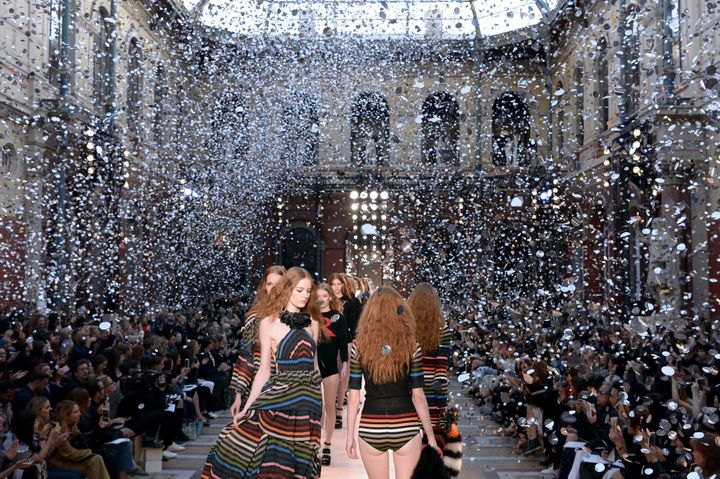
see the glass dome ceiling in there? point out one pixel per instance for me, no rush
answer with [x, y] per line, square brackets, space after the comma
[419, 19]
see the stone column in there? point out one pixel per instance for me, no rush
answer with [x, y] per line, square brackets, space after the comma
[34, 211]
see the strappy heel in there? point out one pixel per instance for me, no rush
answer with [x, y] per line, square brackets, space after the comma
[326, 455]
[338, 419]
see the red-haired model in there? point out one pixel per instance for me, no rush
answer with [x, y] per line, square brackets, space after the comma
[435, 340]
[395, 412]
[277, 434]
[249, 357]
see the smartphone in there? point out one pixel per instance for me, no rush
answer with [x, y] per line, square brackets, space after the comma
[187, 363]
[106, 415]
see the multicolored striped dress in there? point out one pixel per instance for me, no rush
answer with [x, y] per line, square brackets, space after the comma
[388, 420]
[280, 435]
[248, 360]
[435, 366]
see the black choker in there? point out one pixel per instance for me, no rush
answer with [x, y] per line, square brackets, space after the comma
[295, 320]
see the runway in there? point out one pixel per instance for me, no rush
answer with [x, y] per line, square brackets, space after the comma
[487, 453]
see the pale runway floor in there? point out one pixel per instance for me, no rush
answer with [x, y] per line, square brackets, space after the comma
[486, 451]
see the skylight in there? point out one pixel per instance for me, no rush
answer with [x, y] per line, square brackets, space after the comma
[416, 19]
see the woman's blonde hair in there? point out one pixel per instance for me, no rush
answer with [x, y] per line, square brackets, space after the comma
[385, 340]
[64, 409]
[424, 303]
[335, 303]
[280, 295]
[262, 295]
[35, 405]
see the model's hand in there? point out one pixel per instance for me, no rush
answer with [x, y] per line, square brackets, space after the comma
[433, 443]
[235, 407]
[351, 447]
[240, 415]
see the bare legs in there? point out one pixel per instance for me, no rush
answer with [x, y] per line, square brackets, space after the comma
[342, 386]
[330, 389]
[377, 463]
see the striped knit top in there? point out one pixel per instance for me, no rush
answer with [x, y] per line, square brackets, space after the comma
[397, 395]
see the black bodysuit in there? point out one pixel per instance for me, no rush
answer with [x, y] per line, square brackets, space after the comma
[327, 352]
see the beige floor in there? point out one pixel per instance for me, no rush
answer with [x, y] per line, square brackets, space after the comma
[486, 451]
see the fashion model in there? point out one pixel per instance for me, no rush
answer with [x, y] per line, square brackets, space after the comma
[277, 433]
[386, 355]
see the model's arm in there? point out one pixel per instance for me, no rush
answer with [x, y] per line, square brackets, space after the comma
[343, 345]
[315, 327]
[417, 383]
[263, 373]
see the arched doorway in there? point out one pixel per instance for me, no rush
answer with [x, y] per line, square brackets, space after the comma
[300, 246]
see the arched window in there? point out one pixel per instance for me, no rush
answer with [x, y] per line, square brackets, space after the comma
[135, 79]
[579, 107]
[511, 130]
[370, 130]
[632, 41]
[440, 129]
[102, 58]
[300, 247]
[159, 112]
[603, 87]
[301, 130]
[8, 159]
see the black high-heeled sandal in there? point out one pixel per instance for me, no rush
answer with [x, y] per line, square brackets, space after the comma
[338, 419]
[326, 455]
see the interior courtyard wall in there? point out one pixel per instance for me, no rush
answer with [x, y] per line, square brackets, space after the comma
[28, 120]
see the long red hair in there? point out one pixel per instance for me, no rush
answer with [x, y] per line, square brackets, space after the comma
[262, 295]
[347, 290]
[386, 321]
[280, 295]
[425, 305]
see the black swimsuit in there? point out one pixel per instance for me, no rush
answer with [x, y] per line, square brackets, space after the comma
[327, 351]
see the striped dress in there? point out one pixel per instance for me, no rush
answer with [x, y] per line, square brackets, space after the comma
[388, 420]
[280, 435]
[435, 367]
[248, 360]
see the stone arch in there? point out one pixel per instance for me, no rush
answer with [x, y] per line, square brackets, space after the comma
[440, 129]
[511, 130]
